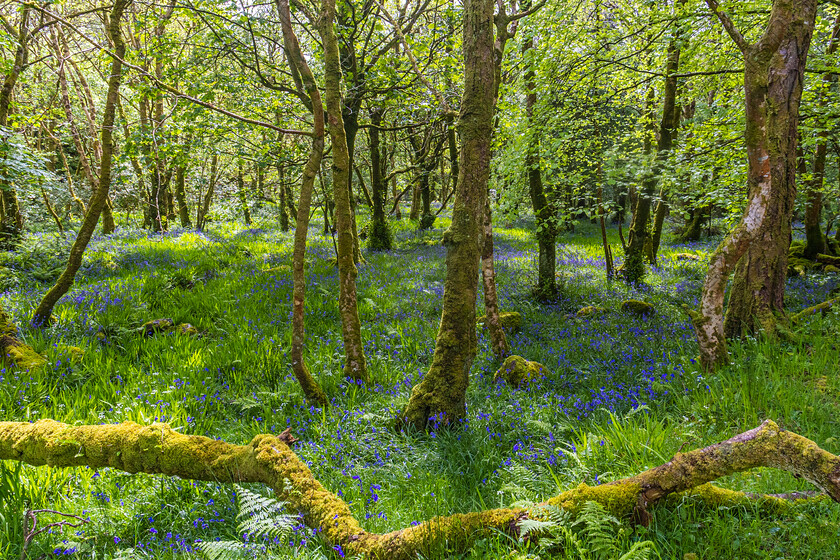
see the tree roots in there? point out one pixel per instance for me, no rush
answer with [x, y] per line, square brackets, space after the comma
[268, 459]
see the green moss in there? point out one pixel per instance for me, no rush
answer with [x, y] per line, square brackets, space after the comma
[590, 310]
[511, 320]
[73, 353]
[518, 372]
[155, 326]
[617, 498]
[7, 327]
[831, 268]
[637, 307]
[282, 269]
[799, 266]
[25, 357]
[687, 257]
[185, 329]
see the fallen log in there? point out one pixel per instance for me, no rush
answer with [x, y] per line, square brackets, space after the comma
[157, 449]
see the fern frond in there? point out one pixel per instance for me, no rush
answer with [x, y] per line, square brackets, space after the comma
[642, 550]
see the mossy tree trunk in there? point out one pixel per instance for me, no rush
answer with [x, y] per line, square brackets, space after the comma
[313, 392]
[544, 211]
[498, 340]
[11, 225]
[268, 459]
[43, 313]
[774, 70]
[282, 194]
[204, 204]
[355, 366]
[814, 240]
[442, 391]
[379, 236]
[180, 184]
[758, 285]
[640, 243]
[240, 193]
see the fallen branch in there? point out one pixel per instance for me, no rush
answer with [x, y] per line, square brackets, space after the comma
[157, 449]
[819, 308]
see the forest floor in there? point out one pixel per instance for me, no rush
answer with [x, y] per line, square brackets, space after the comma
[622, 394]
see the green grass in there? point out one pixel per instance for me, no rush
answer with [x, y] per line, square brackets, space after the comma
[623, 393]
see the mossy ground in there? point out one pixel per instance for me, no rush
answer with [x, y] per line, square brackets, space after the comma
[622, 393]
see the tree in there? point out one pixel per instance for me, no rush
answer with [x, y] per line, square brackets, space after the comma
[43, 313]
[354, 354]
[442, 391]
[11, 223]
[773, 77]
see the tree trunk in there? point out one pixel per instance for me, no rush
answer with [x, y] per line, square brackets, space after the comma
[442, 391]
[243, 198]
[181, 195]
[355, 366]
[379, 236]
[204, 205]
[498, 340]
[544, 211]
[774, 70]
[281, 197]
[11, 226]
[815, 242]
[640, 242]
[313, 392]
[43, 313]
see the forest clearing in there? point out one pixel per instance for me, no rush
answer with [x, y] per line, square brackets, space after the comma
[419, 280]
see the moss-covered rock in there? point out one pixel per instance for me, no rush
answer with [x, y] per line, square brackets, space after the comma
[590, 310]
[72, 353]
[687, 257]
[518, 372]
[798, 266]
[282, 269]
[22, 356]
[831, 268]
[185, 329]
[637, 307]
[155, 326]
[511, 320]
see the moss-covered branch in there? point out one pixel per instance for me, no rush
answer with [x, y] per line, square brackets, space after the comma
[157, 449]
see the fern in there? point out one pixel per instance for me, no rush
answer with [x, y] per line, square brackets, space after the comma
[594, 534]
[599, 529]
[261, 519]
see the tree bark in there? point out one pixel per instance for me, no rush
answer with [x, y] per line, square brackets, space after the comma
[313, 392]
[351, 329]
[442, 391]
[43, 313]
[774, 70]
